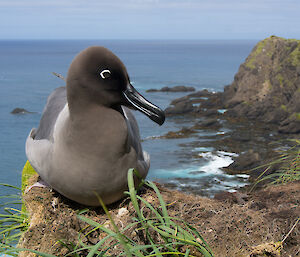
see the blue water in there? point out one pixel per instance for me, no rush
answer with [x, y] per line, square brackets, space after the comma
[26, 81]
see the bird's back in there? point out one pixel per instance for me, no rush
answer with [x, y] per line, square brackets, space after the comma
[55, 103]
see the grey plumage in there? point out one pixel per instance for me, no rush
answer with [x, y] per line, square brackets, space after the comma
[87, 138]
[55, 103]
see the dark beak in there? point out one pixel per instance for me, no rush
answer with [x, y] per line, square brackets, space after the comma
[134, 99]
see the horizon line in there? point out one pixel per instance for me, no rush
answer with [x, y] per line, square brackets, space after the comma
[127, 39]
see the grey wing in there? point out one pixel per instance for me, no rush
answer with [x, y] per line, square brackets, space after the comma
[39, 142]
[55, 103]
[135, 141]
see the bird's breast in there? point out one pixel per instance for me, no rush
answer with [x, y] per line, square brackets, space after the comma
[98, 131]
[91, 150]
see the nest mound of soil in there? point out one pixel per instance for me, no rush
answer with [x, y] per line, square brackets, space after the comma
[233, 224]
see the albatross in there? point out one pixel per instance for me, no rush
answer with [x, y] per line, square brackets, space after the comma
[88, 138]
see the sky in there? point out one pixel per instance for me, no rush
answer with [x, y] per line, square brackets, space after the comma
[149, 19]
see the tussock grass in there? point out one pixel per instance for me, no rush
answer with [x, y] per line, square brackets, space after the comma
[289, 166]
[13, 222]
[165, 236]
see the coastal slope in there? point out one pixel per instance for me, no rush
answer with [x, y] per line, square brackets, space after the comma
[233, 224]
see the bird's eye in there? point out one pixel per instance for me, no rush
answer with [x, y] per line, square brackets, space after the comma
[105, 74]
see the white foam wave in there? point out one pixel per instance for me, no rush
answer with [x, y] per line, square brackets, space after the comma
[202, 149]
[227, 154]
[152, 137]
[184, 172]
[245, 176]
[216, 161]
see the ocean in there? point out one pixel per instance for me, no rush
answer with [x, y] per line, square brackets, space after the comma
[26, 80]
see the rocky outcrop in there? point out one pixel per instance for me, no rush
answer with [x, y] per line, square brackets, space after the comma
[266, 88]
[244, 162]
[19, 111]
[182, 107]
[211, 123]
[267, 85]
[173, 89]
[200, 103]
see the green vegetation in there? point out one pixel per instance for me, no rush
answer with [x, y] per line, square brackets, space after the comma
[258, 49]
[291, 39]
[295, 116]
[295, 56]
[289, 166]
[250, 62]
[279, 77]
[246, 103]
[164, 235]
[13, 222]
[283, 107]
[27, 173]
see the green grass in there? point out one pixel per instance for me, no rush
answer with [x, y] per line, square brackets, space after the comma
[295, 56]
[258, 49]
[164, 235]
[280, 78]
[13, 222]
[283, 107]
[27, 173]
[289, 166]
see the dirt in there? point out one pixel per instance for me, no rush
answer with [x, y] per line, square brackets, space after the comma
[233, 224]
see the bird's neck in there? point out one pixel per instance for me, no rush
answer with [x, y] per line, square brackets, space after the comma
[97, 126]
[79, 99]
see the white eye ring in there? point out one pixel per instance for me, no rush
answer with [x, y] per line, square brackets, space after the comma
[105, 74]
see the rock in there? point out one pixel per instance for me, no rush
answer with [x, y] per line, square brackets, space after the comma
[172, 89]
[208, 123]
[153, 90]
[201, 93]
[122, 212]
[180, 108]
[19, 111]
[241, 137]
[267, 249]
[194, 97]
[180, 99]
[211, 112]
[244, 162]
[181, 89]
[184, 132]
[267, 85]
[215, 101]
[291, 124]
[201, 103]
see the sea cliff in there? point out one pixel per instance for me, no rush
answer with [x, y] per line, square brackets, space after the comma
[267, 85]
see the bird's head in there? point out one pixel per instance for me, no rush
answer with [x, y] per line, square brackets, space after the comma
[99, 76]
